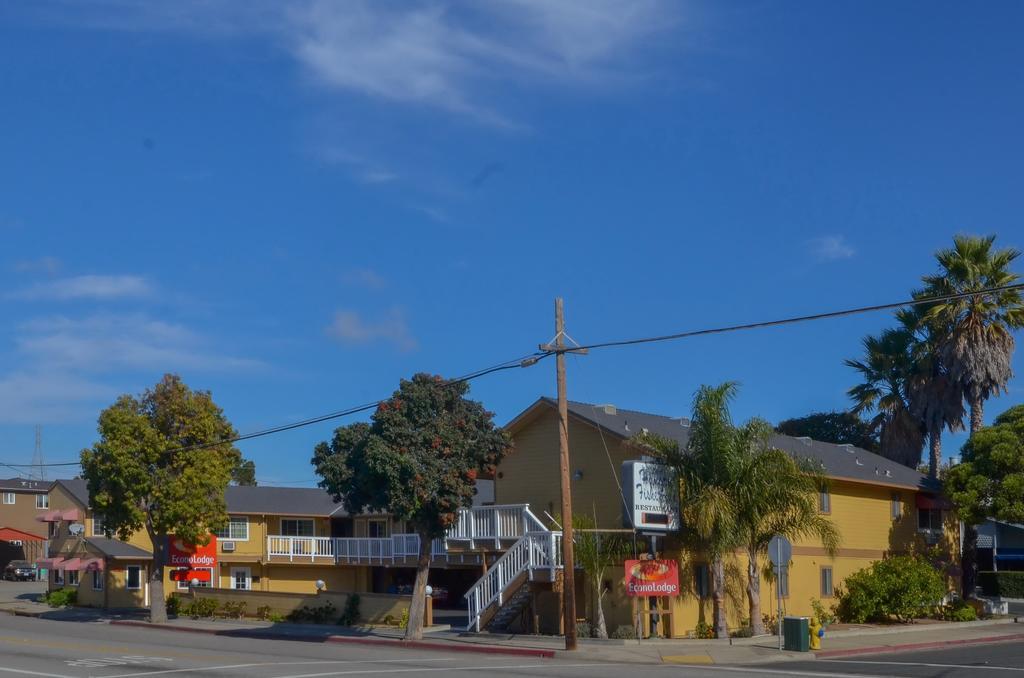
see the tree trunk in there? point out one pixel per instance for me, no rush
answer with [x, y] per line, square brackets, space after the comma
[977, 406]
[718, 598]
[969, 561]
[600, 627]
[935, 452]
[417, 608]
[754, 593]
[157, 602]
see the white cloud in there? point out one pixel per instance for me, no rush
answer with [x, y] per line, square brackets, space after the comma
[101, 287]
[47, 265]
[831, 248]
[46, 396]
[349, 327]
[365, 277]
[105, 343]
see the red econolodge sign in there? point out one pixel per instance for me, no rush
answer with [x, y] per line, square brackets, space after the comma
[182, 554]
[652, 578]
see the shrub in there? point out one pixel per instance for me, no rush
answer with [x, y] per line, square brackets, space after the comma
[824, 617]
[770, 621]
[350, 615]
[1004, 584]
[404, 621]
[275, 617]
[315, 615]
[173, 604]
[742, 632]
[902, 587]
[263, 612]
[958, 611]
[584, 629]
[61, 597]
[703, 631]
[201, 607]
[234, 609]
[624, 632]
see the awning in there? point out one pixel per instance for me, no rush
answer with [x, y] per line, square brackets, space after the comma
[92, 565]
[49, 562]
[71, 564]
[48, 516]
[70, 514]
[925, 501]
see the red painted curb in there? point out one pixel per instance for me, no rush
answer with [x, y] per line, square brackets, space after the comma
[879, 649]
[413, 644]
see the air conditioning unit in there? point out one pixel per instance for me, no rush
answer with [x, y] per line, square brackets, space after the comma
[227, 546]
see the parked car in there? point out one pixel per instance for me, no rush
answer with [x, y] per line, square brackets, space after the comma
[20, 570]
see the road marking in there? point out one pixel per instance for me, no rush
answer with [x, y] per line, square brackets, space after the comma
[114, 661]
[99, 649]
[926, 664]
[787, 672]
[34, 673]
[248, 666]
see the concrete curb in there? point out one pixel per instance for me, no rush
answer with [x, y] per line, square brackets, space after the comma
[931, 645]
[412, 644]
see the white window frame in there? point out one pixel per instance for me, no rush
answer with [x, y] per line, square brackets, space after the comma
[97, 580]
[825, 501]
[42, 501]
[896, 506]
[58, 577]
[378, 521]
[101, 520]
[931, 514]
[234, 522]
[248, 578]
[71, 578]
[312, 526]
[128, 578]
[831, 591]
[183, 585]
[9, 498]
[54, 529]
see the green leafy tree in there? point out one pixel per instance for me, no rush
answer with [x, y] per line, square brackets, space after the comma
[708, 470]
[840, 428]
[886, 369]
[903, 587]
[988, 483]
[978, 349]
[595, 552]
[146, 473]
[417, 460]
[775, 494]
[244, 472]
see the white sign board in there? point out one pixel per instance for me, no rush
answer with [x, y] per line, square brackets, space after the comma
[652, 496]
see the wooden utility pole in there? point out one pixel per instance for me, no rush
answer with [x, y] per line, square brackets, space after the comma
[568, 564]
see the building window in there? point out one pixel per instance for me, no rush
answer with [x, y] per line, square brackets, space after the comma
[240, 579]
[377, 528]
[291, 527]
[183, 585]
[42, 501]
[237, 529]
[701, 580]
[133, 580]
[58, 577]
[929, 520]
[54, 529]
[99, 529]
[8, 497]
[72, 578]
[827, 591]
[825, 501]
[97, 580]
[896, 506]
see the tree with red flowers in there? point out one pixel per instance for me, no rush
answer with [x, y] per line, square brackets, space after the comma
[417, 460]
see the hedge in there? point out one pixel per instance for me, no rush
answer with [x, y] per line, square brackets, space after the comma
[1004, 584]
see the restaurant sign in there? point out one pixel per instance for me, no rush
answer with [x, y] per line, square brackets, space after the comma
[652, 497]
[652, 578]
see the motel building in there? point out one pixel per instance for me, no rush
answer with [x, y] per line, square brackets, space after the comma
[501, 562]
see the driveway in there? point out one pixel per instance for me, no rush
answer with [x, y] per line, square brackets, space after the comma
[21, 591]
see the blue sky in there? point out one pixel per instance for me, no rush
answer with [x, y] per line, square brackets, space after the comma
[296, 205]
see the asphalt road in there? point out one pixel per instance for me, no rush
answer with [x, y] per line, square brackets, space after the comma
[59, 649]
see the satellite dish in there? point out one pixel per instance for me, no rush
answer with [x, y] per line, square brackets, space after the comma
[76, 528]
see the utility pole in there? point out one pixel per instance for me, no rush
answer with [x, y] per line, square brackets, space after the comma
[568, 563]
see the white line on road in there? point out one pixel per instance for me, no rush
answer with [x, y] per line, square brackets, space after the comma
[34, 673]
[249, 666]
[782, 672]
[935, 666]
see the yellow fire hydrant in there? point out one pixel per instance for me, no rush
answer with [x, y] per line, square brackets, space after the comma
[816, 632]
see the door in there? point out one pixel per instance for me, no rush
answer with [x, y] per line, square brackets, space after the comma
[241, 578]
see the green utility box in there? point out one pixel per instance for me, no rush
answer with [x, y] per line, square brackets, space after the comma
[796, 634]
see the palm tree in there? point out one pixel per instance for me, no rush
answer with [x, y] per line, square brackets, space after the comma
[936, 400]
[886, 370]
[708, 475]
[777, 495]
[979, 348]
[595, 553]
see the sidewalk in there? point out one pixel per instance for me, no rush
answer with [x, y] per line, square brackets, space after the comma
[655, 651]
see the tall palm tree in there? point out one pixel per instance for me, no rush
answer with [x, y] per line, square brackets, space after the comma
[886, 370]
[979, 348]
[708, 476]
[777, 495]
[936, 400]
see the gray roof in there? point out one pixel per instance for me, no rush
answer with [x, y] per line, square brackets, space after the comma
[25, 485]
[839, 461]
[77, 488]
[289, 501]
[115, 548]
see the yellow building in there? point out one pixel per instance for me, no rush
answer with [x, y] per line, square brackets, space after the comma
[880, 508]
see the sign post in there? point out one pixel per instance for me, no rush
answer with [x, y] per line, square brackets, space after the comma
[780, 551]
